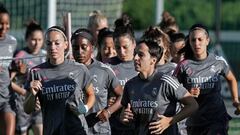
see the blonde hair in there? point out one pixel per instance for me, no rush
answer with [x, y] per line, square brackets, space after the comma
[95, 18]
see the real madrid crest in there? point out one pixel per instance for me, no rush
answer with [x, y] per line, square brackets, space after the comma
[10, 49]
[71, 75]
[154, 92]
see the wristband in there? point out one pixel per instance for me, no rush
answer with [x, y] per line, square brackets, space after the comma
[86, 107]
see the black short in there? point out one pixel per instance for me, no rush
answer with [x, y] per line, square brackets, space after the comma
[212, 129]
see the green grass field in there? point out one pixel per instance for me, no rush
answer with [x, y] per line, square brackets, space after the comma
[234, 127]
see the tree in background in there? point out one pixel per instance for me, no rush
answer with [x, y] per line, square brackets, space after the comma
[186, 12]
[141, 11]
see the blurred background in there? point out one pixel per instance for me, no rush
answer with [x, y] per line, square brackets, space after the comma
[221, 16]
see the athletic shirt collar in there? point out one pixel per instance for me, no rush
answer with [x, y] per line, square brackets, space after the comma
[209, 55]
[93, 62]
[65, 62]
[127, 64]
[150, 78]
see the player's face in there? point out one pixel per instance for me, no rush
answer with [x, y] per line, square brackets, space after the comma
[199, 42]
[125, 48]
[108, 48]
[56, 45]
[4, 24]
[82, 50]
[143, 61]
[35, 41]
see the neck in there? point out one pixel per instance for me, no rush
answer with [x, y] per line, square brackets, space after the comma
[88, 62]
[162, 61]
[57, 61]
[2, 37]
[146, 74]
[201, 56]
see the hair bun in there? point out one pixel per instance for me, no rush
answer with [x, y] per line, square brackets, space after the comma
[124, 21]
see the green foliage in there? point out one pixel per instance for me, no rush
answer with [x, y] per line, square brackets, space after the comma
[141, 11]
[186, 12]
[231, 15]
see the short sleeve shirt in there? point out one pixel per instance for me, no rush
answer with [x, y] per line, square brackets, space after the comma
[7, 48]
[29, 60]
[60, 83]
[124, 71]
[148, 97]
[167, 68]
[206, 75]
[104, 81]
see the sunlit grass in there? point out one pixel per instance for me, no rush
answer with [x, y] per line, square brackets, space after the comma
[234, 127]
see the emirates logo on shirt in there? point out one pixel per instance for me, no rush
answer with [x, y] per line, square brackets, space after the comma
[57, 89]
[143, 106]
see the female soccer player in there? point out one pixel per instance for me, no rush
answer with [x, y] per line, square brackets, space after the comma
[152, 96]
[200, 73]
[63, 87]
[8, 45]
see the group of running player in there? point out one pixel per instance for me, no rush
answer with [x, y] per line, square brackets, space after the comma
[164, 84]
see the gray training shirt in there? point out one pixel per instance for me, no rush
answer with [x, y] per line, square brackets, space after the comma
[60, 83]
[124, 71]
[148, 97]
[7, 46]
[167, 68]
[104, 81]
[206, 75]
[29, 59]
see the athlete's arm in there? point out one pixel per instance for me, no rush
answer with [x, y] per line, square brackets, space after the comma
[106, 113]
[30, 100]
[126, 114]
[15, 87]
[234, 90]
[90, 96]
[190, 105]
[118, 92]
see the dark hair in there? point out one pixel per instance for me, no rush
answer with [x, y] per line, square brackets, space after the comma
[167, 22]
[104, 32]
[154, 49]
[31, 27]
[198, 26]
[59, 29]
[187, 50]
[123, 27]
[175, 37]
[82, 32]
[157, 35]
[3, 9]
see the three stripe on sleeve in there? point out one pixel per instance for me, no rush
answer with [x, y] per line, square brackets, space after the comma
[170, 81]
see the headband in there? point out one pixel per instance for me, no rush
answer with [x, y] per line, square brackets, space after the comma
[58, 30]
[84, 34]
